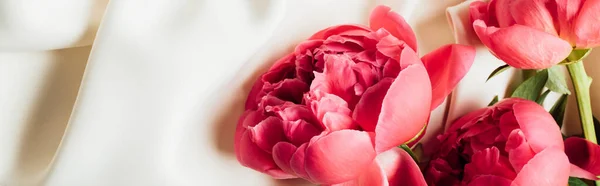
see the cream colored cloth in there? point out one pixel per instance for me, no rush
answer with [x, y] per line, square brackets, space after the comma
[155, 100]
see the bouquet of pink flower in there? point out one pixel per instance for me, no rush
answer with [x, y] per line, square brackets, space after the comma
[350, 104]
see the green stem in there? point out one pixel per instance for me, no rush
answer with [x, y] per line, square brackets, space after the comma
[581, 83]
[410, 152]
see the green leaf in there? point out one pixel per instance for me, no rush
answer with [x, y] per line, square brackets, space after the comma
[497, 71]
[573, 181]
[531, 88]
[558, 110]
[410, 152]
[557, 81]
[542, 97]
[494, 101]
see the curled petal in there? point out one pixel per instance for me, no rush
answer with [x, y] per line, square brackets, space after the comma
[383, 17]
[297, 163]
[400, 168]
[336, 121]
[267, 133]
[549, 167]
[523, 47]
[567, 11]
[338, 78]
[502, 14]
[373, 175]
[282, 155]
[586, 26]
[533, 13]
[538, 126]
[446, 66]
[584, 154]
[339, 156]
[488, 162]
[252, 156]
[405, 108]
[366, 112]
[519, 152]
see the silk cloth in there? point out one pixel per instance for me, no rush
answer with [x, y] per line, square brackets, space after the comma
[148, 92]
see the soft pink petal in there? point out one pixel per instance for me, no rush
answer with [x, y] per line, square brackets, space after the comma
[523, 47]
[540, 129]
[267, 133]
[489, 180]
[533, 13]
[300, 131]
[549, 167]
[338, 78]
[446, 66]
[400, 168]
[334, 121]
[249, 118]
[578, 172]
[340, 30]
[297, 163]
[389, 45]
[372, 176]
[586, 26]
[583, 154]
[323, 103]
[478, 10]
[567, 11]
[366, 112]
[339, 156]
[383, 17]
[250, 155]
[405, 108]
[502, 12]
[488, 161]
[519, 152]
[282, 155]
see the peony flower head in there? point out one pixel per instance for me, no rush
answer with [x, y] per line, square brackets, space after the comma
[536, 34]
[515, 142]
[346, 95]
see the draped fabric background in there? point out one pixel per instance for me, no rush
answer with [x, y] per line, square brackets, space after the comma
[147, 92]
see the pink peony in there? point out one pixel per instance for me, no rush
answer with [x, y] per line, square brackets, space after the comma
[349, 93]
[515, 142]
[536, 34]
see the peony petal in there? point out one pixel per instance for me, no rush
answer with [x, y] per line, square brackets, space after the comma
[586, 26]
[405, 108]
[383, 17]
[339, 156]
[334, 121]
[250, 155]
[478, 10]
[373, 175]
[300, 131]
[548, 167]
[578, 172]
[502, 12]
[519, 152]
[282, 155]
[282, 69]
[267, 133]
[534, 14]
[538, 126]
[297, 163]
[488, 161]
[323, 103]
[400, 168]
[523, 47]
[489, 180]
[567, 11]
[446, 66]
[584, 154]
[338, 78]
[366, 112]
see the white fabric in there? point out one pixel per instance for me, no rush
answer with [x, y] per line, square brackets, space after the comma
[157, 101]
